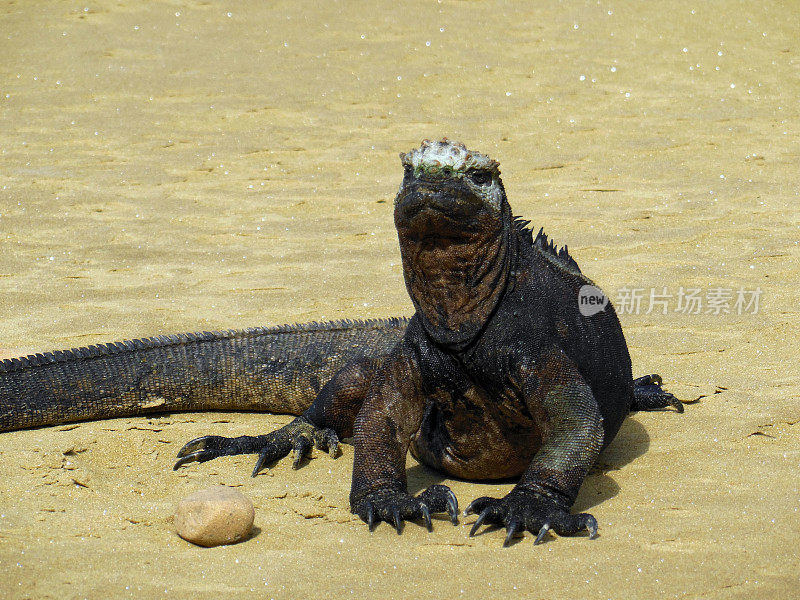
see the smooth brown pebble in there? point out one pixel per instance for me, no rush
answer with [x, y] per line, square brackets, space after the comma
[215, 516]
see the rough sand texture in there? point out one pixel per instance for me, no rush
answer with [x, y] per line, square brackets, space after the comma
[177, 166]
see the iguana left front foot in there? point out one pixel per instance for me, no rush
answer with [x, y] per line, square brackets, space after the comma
[524, 510]
[394, 506]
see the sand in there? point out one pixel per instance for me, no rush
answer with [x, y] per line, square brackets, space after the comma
[181, 166]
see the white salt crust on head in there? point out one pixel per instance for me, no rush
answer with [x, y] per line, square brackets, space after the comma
[445, 155]
[453, 159]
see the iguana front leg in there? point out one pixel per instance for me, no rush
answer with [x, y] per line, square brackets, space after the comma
[329, 418]
[573, 438]
[391, 414]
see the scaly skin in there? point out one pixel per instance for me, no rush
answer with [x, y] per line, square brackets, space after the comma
[275, 369]
[497, 374]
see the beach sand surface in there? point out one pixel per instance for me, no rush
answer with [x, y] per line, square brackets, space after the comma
[184, 166]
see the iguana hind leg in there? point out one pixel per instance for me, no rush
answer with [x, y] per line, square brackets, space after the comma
[299, 436]
[648, 395]
[329, 418]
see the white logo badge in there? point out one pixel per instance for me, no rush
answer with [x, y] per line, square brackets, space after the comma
[591, 300]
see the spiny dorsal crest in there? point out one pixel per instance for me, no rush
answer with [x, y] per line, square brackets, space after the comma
[549, 247]
[447, 158]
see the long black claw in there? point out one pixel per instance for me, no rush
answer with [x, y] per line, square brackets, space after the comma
[426, 515]
[452, 507]
[370, 516]
[262, 460]
[676, 403]
[186, 459]
[542, 532]
[397, 520]
[479, 521]
[591, 525]
[198, 450]
[196, 444]
[513, 529]
[302, 447]
[472, 506]
[654, 379]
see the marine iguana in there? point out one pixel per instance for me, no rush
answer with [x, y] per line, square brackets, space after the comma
[497, 375]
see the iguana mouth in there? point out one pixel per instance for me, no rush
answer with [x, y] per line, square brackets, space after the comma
[448, 196]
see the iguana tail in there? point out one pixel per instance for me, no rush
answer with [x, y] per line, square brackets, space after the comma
[648, 395]
[277, 369]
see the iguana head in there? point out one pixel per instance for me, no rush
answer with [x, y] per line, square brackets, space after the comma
[454, 226]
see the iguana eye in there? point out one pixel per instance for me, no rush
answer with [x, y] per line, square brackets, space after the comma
[407, 170]
[480, 177]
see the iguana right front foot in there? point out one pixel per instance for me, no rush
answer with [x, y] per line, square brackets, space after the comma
[395, 506]
[299, 436]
